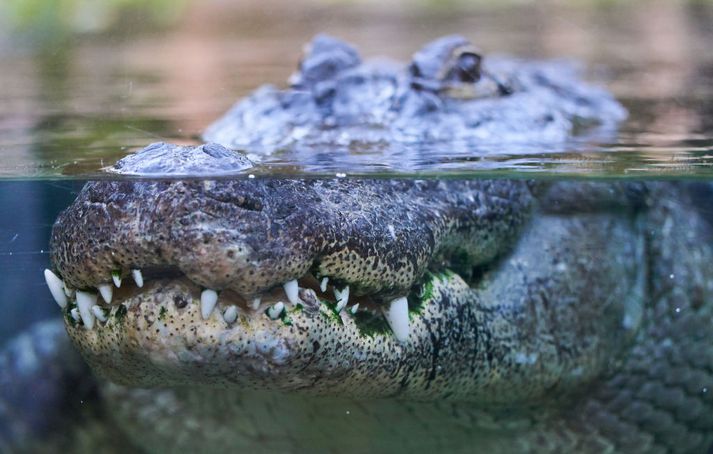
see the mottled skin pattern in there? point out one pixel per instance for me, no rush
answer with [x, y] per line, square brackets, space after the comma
[250, 235]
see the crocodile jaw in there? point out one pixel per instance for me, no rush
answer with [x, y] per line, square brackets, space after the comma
[149, 340]
[527, 331]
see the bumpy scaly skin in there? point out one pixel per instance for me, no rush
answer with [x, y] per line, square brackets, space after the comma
[378, 236]
[336, 103]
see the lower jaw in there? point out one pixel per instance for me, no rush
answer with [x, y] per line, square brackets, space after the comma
[158, 336]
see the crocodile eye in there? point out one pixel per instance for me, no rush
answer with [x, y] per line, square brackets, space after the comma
[467, 67]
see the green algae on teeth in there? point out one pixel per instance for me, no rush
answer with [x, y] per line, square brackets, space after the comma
[116, 277]
[88, 310]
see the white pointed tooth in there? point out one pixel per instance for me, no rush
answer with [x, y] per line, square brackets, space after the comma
[138, 277]
[292, 290]
[99, 313]
[56, 287]
[397, 317]
[85, 301]
[116, 277]
[275, 311]
[230, 314]
[209, 298]
[255, 303]
[342, 294]
[354, 309]
[75, 314]
[323, 284]
[340, 305]
[106, 291]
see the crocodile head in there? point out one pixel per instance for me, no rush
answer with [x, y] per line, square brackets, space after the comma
[450, 96]
[490, 290]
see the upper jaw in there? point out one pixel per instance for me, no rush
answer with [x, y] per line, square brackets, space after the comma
[376, 237]
[255, 249]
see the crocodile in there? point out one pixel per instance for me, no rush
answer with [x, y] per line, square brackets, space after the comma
[259, 314]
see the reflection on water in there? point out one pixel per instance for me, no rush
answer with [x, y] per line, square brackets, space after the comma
[73, 105]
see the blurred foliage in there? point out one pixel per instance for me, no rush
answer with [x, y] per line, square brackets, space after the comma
[53, 18]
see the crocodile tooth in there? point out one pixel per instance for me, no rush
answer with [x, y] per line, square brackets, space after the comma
[275, 311]
[85, 301]
[255, 303]
[138, 278]
[230, 314]
[208, 300]
[56, 287]
[116, 277]
[292, 290]
[99, 313]
[106, 291]
[323, 284]
[353, 310]
[75, 314]
[340, 305]
[342, 294]
[397, 317]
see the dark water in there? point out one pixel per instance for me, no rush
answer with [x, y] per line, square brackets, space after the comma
[27, 211]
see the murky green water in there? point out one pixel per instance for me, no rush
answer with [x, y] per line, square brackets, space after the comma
[74, 101]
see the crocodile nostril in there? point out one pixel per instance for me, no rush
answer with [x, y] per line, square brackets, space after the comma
[180, 301]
